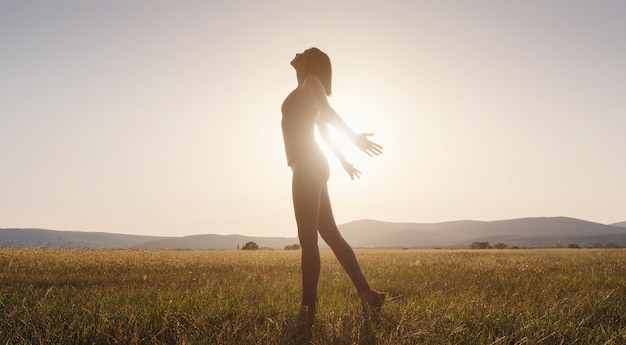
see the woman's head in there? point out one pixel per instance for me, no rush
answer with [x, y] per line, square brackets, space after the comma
[314, 62]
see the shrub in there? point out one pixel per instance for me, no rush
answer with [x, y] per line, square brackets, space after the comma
[250, 246]
[294, 246]
[480, 245]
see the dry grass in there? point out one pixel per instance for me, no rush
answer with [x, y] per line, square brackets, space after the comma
[75, 296]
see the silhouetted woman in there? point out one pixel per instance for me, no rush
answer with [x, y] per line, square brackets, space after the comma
[304, 109]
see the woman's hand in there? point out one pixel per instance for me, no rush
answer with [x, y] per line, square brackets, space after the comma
[364, 144]
[351, 170]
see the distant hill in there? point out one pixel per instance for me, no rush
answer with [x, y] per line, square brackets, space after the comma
[526, 232]
[620, 224]
[544, 232]
[217, 242]
[69, 239]
[80, 239]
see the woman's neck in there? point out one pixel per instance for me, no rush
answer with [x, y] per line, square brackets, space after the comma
[300, 77]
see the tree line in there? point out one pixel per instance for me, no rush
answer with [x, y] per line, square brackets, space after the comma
[253, 246]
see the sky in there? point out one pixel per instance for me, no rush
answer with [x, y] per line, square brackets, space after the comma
[163, 118]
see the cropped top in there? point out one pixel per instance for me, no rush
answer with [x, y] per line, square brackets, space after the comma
[298, 125]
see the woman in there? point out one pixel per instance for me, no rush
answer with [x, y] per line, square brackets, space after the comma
[304, 109]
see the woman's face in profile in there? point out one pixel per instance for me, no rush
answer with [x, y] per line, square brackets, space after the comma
[298, 62]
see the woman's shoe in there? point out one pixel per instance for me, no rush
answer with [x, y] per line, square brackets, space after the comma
[372, 299]
[307, 315]
[304, 328]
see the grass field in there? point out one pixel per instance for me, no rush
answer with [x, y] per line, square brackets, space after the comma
[74, 296]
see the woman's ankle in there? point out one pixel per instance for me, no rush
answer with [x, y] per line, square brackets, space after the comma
[307, 314]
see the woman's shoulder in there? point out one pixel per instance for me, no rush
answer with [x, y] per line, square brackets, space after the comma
[312, 82]
[312, 92]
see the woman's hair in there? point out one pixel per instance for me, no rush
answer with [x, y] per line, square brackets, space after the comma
[318, 64]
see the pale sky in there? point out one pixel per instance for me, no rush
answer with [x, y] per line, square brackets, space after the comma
[163, 117]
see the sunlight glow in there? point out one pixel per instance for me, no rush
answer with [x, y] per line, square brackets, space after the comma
[355, 115]
[357, 111]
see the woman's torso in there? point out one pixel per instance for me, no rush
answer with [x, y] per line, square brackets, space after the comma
[298, 126]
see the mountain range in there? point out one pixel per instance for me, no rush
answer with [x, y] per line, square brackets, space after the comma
[543, 232]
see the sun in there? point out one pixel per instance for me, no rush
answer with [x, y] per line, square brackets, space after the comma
[355, 116]
[339, 140]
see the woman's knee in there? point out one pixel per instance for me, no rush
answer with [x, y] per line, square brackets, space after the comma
[307, 239]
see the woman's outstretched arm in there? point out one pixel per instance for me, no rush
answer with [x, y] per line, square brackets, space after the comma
[312, 93]
[328, 139]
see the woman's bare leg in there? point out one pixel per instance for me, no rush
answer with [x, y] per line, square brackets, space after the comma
[371, 299]
[306, 202]
[344, 253]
